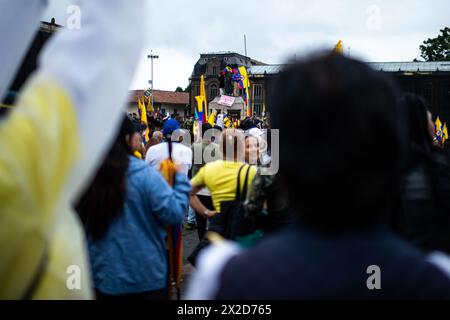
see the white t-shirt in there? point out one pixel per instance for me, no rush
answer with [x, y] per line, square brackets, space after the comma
[180, 154]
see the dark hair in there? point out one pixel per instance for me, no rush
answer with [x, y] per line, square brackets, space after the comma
[341, 156]
[128, 128]
[205, 127]
[103, 201]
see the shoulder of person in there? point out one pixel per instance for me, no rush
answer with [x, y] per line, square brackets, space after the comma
[156, 147]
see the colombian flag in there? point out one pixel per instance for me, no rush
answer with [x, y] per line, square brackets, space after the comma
[201, 113]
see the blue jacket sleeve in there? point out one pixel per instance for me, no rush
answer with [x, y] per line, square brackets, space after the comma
[168, 204]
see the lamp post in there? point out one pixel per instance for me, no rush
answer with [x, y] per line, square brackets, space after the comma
[151, 56]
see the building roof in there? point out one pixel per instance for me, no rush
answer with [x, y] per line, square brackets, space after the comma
[239, 58]
[163, 97]
[435, 66]
[269, 69]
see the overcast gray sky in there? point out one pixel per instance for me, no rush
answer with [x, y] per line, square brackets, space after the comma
[179, 30]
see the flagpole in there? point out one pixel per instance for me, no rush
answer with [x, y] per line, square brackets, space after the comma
[151, 57]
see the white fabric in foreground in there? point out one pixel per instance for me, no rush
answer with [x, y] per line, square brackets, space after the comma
[441, 261]
[205, 281]
[18, 25]
[96, 64]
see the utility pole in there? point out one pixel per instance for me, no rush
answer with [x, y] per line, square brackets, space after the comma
[151, 57]
[245, 44]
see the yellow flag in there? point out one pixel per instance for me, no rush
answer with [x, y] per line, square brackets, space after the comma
[438, 124]
[203, 94]
[243, 72]
[150, 106]
[445, 132]
[144, 118]
[200, 100]
[339, 48]
[212, 118]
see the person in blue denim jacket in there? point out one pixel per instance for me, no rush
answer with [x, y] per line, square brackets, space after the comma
[126, 211]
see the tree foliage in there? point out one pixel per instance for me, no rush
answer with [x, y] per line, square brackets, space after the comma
[437, 49]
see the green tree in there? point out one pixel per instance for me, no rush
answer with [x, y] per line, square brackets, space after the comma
[437, 49]
[179, 89]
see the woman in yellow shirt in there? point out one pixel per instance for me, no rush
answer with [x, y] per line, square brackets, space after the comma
[221, 176]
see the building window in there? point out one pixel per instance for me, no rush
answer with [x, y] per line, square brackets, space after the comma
[213, 91]
[257, 92]
[257, 109]
[214, 71]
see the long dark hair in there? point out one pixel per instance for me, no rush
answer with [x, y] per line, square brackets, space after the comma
[103, 200]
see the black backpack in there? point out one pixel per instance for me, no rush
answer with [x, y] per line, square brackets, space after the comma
[230, 223]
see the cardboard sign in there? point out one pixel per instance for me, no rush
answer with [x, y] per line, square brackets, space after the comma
[226, 101]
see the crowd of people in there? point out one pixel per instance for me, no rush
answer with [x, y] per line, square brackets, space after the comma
[368, 187]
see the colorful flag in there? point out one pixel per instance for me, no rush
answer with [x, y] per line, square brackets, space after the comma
[196, 114]
[246, 86]
[200, 102]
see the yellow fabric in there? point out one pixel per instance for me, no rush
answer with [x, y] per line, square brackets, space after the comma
[212, 119]
[150, 106]
[200, 100]
[138, 155]
[438, 124]
[339, 48]
[220, 177]
[227, 122]
[39, 145]
[203, 94]
[245, 81]
[445, 132]
[144, 119]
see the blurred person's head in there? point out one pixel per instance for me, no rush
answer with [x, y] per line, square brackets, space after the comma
[158, 135]
[341, 159]
[152, 142]
[232, 145]
[170, 126]
[131, 131]
[205, 127]
[419, 127]
[252, 150]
